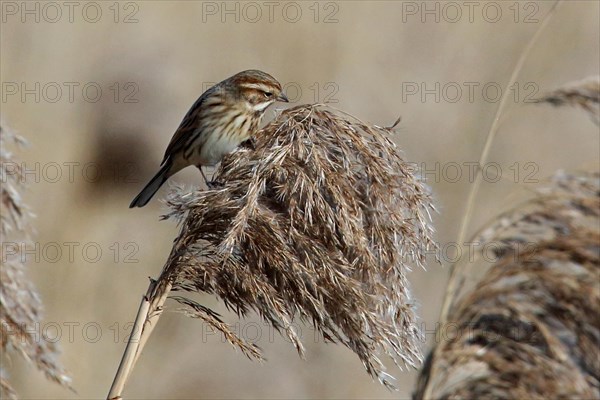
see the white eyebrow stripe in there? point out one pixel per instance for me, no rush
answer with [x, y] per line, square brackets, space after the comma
[254, 86]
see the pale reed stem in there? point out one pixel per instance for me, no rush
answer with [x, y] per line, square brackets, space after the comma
[147, 317]
[454, 283]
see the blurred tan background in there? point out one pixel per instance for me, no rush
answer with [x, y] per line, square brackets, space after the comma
[92, 150]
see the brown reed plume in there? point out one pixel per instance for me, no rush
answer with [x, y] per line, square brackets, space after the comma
[318, 219]
[20, 306]
[584, 94]
[530, 329]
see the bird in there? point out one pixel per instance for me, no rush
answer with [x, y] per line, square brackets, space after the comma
[223, 117]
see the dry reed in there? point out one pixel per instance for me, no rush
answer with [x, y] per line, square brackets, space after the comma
[456, 279]
[584, 94]
[531, 327]
[317, 219]
[20, 306]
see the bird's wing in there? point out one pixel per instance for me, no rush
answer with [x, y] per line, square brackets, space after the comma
[186, 128]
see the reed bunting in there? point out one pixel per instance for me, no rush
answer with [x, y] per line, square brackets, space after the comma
[221, 119]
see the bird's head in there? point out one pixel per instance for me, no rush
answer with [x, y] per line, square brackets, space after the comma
[257, 89]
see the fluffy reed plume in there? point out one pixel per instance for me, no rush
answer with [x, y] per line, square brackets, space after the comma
[584, 94]
[530, 328]
[318, 220]
[20, 305]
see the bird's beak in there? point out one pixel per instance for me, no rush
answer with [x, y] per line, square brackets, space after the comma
[283, 97]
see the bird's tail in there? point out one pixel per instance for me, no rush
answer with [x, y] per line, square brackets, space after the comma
[152, 187]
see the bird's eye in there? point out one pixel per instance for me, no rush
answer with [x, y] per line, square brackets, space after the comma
[268, 95]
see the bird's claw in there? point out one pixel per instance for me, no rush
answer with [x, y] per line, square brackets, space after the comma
[214, 184]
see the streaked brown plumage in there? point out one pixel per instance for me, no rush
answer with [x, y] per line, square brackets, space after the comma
[221, 119]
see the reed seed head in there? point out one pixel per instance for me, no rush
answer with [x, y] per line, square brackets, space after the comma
[319, 218]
